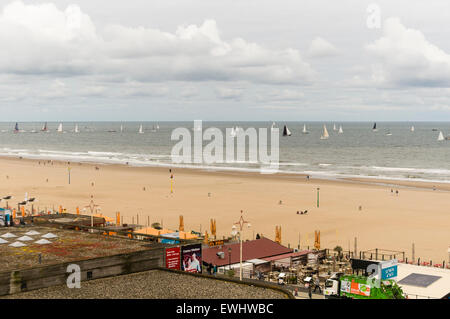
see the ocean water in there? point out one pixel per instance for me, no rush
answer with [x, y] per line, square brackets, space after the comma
[358, 152]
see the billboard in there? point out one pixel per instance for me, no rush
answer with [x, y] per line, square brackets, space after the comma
[359, 289]
[173, 258]
[191, 258]
[388, 269]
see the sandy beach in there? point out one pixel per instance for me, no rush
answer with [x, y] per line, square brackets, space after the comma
[418, 214]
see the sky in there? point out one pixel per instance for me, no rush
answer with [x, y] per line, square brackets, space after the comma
[246, 60]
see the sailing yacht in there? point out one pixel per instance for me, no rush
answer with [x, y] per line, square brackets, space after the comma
[340, 129]
[44, 128]
[141, 131]
[441, 136]
[325, 135]
[76, 129]
[60, 129]
[374, 127]
[121, 128]
[286, 131]
[304, 131]
[334, 127]
[412, 128]
[16, 128]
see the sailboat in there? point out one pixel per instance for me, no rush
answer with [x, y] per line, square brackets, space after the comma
[304, 131]
[60, 128]
[286, 131]
[44, 128]
[412, 128]
[76, 129]
[16, 128]
[121, 128]
[141, 131]
[334, 127]
[325, 135]
[441, 136]
[374, 127]
[340, 129]
[157, 126]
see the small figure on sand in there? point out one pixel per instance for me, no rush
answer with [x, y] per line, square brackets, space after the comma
[280, 202]
[360, 208]
[396, 192]
[143, 188]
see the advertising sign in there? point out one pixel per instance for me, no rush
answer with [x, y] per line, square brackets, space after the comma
[360, 289]
[191, 258]
[389, 269]
[173, 258]
[345, 286]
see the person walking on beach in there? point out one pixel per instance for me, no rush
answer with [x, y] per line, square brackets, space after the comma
[396, 192]
[317, 285]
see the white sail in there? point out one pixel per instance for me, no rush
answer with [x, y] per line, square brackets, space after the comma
[334, 127]
[141, 130]
[441, 136]
[286, 131]
[76, 129]
[157, 126]
[304, 131]
[60, 129]
[412, 128]
[325, 133]
[121, 128]
[340, 129]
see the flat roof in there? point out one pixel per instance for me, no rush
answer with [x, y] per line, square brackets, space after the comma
[68, 245]
[436, 288]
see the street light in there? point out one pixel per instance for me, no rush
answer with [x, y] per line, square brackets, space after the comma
[318, 189]
[229, 257]
[234, 232]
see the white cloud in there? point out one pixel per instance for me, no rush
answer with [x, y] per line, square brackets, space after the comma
[320, 47]
[408, 58]
[229, 93]
[41, 39]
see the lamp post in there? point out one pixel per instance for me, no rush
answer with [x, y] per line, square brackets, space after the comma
[229, 258]
[235, 232]
[318, 189]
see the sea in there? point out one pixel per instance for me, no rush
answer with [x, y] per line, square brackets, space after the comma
[393, 151]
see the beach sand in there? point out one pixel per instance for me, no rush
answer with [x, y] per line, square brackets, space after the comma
[418, 215]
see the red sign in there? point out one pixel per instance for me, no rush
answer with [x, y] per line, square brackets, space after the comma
[173, 258]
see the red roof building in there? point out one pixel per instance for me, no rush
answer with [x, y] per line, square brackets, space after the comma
[252, 249]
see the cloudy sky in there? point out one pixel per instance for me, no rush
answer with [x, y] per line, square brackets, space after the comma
[224, 60]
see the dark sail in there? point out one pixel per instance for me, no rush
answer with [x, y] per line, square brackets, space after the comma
[374, 126]
[16, 128]
[285, 133]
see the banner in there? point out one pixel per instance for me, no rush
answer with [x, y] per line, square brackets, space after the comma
[191, 258]
[173, 258]
[359, 289]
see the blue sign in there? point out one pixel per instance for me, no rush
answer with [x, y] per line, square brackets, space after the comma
[389, 272]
